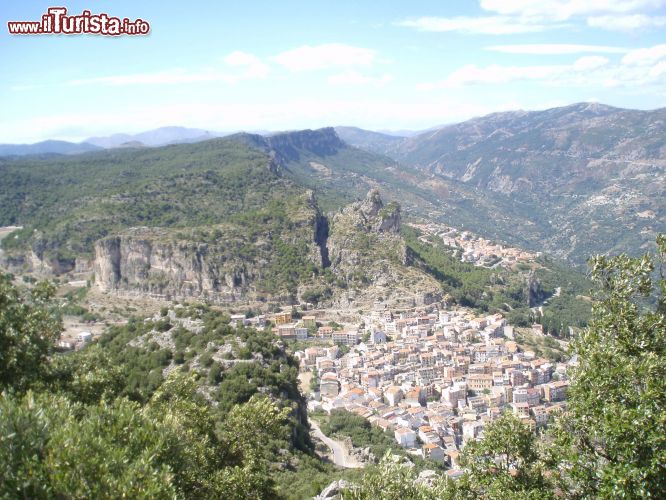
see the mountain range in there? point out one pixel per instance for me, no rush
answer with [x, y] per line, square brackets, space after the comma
[570, 181]
[47, 147]
[582, 179]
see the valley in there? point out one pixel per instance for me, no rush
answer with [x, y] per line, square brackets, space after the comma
[378, 295]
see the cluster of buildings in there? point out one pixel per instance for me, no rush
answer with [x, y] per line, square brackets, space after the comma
[473, 248]
[439, 380]
[81, 340]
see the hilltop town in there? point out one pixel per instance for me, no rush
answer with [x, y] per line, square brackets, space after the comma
[434, 377]
[472, 248]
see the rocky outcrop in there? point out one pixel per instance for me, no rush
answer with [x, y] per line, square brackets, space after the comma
[533, 290]
[367, 252]
[361, 245]
[142, 259]
[333, 490]
[41, 264]
[287, 147]
[231, 263]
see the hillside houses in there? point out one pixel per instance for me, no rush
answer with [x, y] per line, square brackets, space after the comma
[439, 379]
[474, 249]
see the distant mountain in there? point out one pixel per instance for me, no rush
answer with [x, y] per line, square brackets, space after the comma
[376, 142]
[157, 137]
[582, 179]
[225, 219]
[292, 216]
[46, 147]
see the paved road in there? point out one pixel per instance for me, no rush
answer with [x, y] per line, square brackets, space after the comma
[341, 456]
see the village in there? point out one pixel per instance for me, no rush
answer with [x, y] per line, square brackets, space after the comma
[469, 247]
[434, 377]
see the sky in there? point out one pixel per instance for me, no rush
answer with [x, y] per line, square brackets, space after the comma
[269, 65]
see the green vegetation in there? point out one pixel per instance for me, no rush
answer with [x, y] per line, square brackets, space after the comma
[66, 203]
[614, 436]
[29, 327]
[78, 425]
[506, 291]
[74, 425]
[610, 441]
[342, 423]
[543, 345]
[546, 199]
[170, 447]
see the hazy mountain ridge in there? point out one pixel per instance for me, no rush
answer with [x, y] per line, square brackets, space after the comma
[376, 142]
[47, 147]
[581, 169]
[156, 137]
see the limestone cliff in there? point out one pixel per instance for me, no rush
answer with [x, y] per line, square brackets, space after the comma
[148, 260]
[277, 260]
[252, 259]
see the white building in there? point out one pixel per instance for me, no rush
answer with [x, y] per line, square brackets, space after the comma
[84, 337]
[405, 437]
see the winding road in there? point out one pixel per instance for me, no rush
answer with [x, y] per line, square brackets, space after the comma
[341, 456]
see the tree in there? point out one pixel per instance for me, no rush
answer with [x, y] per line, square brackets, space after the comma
[245, 434]
[505, 463]
[395, 479]
[612, 442]
[29, 327]
[53, 448]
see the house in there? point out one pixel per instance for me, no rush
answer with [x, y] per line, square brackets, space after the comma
[84, 337]
[393, 395]
[432, 451]
[282, 318]
[540, 415]
[349, 338]
[428, 435]
[471, 430]
[478, 323]
[479, 382]
[328, 385]
[325, 331]
[287, 331]
[521, 410]
[237, 320]
[377, 337]
[311, 354]
[555, 391]
[301, 333]
[309, 321]
[258, 321]
[405, 437]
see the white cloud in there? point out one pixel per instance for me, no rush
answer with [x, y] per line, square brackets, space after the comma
[255, 68]
[626, 22]
[496, 74]
[562, 10]
[332, 55]
[645, 56]
[639, 69]
[251, 66]
[489, 25]
[555, 49]
[527, 16]
[589, 62]
[354, 78]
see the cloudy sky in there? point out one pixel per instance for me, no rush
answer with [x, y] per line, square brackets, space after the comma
[269, 65]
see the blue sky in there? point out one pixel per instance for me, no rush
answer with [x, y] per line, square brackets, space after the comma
[269, 65]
